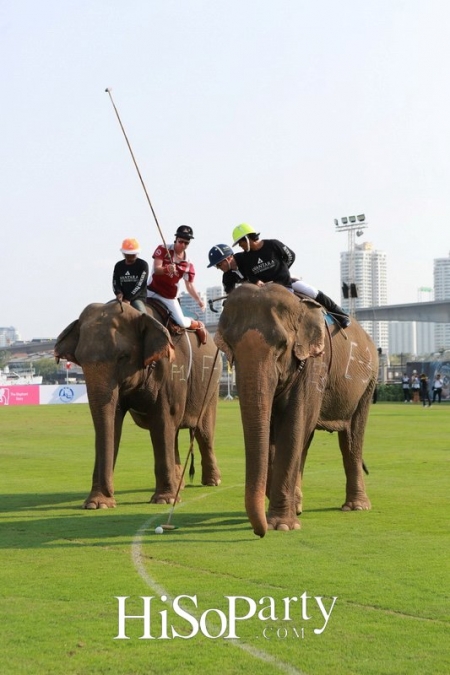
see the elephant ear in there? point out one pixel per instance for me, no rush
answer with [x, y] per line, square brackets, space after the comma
[67, 342]
[157, 342]
[310, 331]
[222, 345]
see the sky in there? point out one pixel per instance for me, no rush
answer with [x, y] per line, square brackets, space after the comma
[284, 114]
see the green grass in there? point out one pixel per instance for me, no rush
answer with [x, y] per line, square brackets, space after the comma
[61, 567]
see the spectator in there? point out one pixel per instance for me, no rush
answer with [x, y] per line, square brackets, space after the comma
[406, 383]
[415, 387]
[437, 387]
[424, 390]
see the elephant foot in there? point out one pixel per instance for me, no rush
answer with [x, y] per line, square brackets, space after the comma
[283, 524]
[357, 505]
[212, 481]
[96, 500]
[158, 498]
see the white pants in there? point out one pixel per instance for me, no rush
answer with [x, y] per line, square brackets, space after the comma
[306, 289]
[174, 308]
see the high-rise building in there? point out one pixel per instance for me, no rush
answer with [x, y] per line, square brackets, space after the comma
[8, 336]
[366, 269]
[413, 337]
[190, 306]
[212, 315]
[441, 273]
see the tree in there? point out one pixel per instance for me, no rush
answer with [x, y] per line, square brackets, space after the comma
[48, 368]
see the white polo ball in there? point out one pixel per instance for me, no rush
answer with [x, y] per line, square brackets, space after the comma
[159, 530]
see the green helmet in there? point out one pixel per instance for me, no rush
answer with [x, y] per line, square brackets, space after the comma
[241, 231]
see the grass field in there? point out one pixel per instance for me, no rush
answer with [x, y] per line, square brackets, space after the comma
[62, 567]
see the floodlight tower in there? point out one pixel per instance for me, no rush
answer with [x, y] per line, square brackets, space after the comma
[354, 226]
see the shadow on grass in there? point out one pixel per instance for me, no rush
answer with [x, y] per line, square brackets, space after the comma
[48, 501]
[65, 500]
[74, 526]
[109, 528]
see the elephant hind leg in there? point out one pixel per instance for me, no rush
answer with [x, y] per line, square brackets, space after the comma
[351, 444]
[298, 487]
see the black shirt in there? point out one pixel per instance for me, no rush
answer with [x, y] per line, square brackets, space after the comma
[231, 278]
[269, 263]
[131, 280]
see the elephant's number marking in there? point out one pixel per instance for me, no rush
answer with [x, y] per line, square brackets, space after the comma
[319, 374]
[364, 365]
[206, 366]
[178, 372]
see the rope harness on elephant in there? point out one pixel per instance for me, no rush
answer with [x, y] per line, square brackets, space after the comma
[331, 346]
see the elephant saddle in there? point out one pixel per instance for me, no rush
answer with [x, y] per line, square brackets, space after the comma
[165, 317]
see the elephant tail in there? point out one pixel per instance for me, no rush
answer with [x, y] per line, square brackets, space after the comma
[192, 469]
[192, 465]
[365, 469]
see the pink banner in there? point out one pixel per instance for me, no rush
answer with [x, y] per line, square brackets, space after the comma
[28, 394]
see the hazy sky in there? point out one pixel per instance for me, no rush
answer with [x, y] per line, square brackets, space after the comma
[284, 114]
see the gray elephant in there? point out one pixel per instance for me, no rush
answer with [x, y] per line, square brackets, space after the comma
[131, 364]
[293, 376]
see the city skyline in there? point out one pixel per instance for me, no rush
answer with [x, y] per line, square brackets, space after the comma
[281, 115]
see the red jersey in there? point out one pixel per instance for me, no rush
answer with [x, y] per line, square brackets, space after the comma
[167, 286]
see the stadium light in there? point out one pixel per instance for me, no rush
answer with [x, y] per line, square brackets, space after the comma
[354, 226]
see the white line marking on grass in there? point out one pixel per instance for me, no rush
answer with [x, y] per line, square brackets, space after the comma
[138, 561]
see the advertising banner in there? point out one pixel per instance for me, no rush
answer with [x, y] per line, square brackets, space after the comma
[63, 393]
[37, 394]
[27, 394]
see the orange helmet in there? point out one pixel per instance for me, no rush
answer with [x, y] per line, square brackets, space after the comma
[130, 247]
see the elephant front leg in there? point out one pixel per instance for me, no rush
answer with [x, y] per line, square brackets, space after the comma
[167, 472]
[108, 430]
[284, 491]
[293, 431]
[284, 496]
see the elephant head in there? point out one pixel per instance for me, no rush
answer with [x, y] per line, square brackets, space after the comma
[269, 334]
[113, 344]
[104, 333]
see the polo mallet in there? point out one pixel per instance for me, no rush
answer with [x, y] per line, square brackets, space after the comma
[108, 91]
[211, 301]
[168, 525]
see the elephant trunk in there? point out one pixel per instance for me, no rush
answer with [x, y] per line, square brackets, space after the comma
[255, 400]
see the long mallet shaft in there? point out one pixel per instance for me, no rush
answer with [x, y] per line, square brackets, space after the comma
[108, 91]
[167, 525]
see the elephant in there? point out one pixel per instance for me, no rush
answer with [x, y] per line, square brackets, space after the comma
[132, 364]
[294, 373]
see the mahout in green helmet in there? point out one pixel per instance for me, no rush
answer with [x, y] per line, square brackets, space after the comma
[242, 231]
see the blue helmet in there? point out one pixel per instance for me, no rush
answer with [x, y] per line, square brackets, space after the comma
[218, 253]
